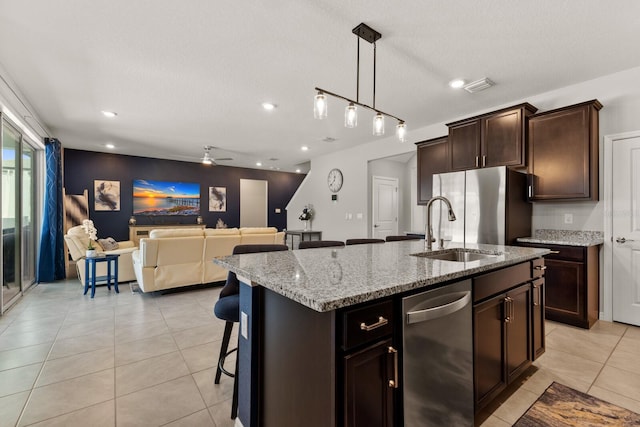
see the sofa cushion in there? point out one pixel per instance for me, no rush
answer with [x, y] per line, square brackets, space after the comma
[175, 232]
[258, 230]
[221, 232]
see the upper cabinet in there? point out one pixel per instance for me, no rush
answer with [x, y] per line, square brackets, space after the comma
[563, 153]
[493, 139]
[432, 159]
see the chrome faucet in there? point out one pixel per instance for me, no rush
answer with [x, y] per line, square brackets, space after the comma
[428, 238]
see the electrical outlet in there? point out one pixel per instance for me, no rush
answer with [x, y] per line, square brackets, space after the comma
[568, 218]
[359, 215]
[278, 210]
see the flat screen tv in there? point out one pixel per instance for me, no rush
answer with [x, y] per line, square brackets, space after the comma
[158, 198]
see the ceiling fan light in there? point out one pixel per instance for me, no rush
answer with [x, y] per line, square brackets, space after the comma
[401, 132]
[206, 160]
[378, 125]
[320, 106]
[351, 116]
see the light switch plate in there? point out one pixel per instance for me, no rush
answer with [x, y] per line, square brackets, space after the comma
[568, 218]
[244, 325]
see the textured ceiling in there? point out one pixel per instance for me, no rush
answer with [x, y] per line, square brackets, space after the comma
[183, 74]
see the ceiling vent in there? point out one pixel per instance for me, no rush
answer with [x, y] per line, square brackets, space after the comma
[478, 85]
[329, 139]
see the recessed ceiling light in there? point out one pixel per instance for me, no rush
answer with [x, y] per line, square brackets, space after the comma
[298, 171]
[110, 146]
[258, 163]
[456, 83]
[268, 106]
[110, 114]
[304, 148]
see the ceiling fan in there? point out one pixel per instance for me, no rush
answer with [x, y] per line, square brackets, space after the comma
[207, 159]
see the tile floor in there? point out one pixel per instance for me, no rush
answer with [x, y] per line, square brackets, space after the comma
[149, 360]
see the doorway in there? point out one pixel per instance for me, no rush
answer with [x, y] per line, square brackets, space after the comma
[253, 203]
[622, 228]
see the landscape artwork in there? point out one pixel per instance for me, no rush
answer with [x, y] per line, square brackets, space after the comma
[158, 198]
[217, 199]
[106, 195]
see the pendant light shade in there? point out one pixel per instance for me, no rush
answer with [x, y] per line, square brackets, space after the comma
[320, 106]
[401, 132]
[351, 116]
[378, 125]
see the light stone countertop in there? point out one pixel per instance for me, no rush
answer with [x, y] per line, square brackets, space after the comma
[565, 237]
[326, 279]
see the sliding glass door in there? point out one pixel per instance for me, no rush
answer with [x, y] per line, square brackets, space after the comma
[18, 214]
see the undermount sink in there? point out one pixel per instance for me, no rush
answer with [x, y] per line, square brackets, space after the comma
[457, 255]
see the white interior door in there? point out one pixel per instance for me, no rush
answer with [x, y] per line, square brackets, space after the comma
[253, 203]
[626, 231]
[385, 207]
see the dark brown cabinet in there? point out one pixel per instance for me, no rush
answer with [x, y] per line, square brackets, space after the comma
[369, 365]
[368, 398]
[432, 159]
[571, 284]
[494, 139]
[508, 327]
[563, 153]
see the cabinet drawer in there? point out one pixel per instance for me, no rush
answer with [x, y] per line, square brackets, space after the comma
[537, 268]
[571, 253]
[499, 281]
[365, 324]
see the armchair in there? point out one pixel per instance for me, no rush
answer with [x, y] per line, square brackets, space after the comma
[77, 241]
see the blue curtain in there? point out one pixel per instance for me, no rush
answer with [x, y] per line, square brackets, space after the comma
[51, 259]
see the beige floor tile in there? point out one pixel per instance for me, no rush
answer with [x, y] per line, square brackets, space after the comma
[138, 331]
[633, 332]
[69, 367]
[82, 344]
[149, 372]
[88, 315]
[516, 405]
[592, 346]
[611, 328]
[221, 414]
[18, 379]
[30, 325]
[86, 328]
[12, 341]
[210, 332]
[615, 398]
[23, 356]
[549, 326]
[213, 393]
[538, 381]
[100, 415]
[159, 404]
[11, 407]
[69, 396]
[568, 369]
[199, 419]
[619, 381]
[494, 421]
[204, 356]
[626, 360]
[629, 344]
[134, 351]
[126, 315]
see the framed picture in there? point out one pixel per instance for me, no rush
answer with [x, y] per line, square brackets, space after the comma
[106, 195]
[217, 199]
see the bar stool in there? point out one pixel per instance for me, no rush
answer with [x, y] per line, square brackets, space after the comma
[363, 241]
[309, 244]
[227, 308]
[401, 238]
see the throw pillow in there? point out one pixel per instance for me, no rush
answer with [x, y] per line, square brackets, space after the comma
[108, 244]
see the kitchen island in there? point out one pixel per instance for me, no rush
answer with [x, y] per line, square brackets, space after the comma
[297, 308]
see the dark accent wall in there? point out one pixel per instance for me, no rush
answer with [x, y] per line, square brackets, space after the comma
[81, 168]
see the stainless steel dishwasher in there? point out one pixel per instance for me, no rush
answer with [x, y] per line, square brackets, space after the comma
[437, 340]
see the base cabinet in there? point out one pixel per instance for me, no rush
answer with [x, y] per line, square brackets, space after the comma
[537, 317]
[368, 397]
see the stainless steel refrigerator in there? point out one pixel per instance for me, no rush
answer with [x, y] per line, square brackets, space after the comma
[489, 203]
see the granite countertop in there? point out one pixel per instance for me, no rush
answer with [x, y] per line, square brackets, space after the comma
[326, 279]
[565, 237]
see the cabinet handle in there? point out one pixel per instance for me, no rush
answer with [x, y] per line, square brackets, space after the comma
[536, 295]
[530, 191]
[507, 309]
[394, 382]
[554, 252]
[477, 161]
[484, 161]
[540, 267]
[381, 322]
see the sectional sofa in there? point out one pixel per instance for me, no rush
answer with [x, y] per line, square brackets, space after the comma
[172, 258]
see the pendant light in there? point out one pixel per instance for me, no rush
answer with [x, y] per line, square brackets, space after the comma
[367, 33]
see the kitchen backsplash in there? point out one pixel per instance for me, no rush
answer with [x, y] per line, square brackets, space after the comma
[582, 216]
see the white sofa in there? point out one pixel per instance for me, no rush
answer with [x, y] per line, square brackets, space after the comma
[172, 258]
[77, 241]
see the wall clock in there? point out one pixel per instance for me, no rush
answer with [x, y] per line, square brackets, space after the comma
[334, 180]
